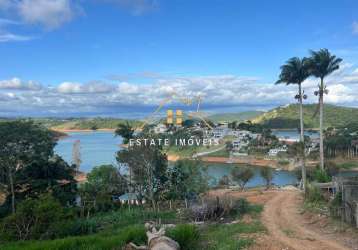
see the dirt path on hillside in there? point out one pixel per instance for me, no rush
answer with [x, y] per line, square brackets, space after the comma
[288, 228]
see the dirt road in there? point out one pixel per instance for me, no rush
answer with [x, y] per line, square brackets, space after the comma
[289, 230]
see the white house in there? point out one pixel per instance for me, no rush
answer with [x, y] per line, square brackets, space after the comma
[275, 151]
[160, 129]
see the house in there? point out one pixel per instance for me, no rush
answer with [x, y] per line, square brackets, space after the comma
[275, 151]
[160, 129]
[128, 198]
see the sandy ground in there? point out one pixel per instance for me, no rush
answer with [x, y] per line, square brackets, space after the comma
[288, 228]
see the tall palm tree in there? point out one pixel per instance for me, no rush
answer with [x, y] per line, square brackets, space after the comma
[295, 71]
[321, 64]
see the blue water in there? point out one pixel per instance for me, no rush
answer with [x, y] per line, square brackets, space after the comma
[280, 178]
[98, 148]
[294, 134]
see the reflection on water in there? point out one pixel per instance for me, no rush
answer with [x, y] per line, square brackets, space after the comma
[98, 148]
[217, 171]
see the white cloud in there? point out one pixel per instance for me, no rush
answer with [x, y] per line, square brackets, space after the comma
[48, 13]
[218, 92]
[355, 27]
[78, 88]
[18, 84]
[9, 37]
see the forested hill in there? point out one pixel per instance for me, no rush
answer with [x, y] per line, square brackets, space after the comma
[288, 116]
[78, 123]
[230, 117]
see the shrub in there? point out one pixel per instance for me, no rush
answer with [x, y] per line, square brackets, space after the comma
[267, 175]
[313, 194]
[242, 176]
[213, 209]
[320, 175]
[186, 235]
[34, 219]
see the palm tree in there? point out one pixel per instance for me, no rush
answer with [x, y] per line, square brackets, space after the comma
[295, 71]
[321, 64]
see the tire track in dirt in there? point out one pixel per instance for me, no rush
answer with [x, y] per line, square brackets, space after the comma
[287, 229]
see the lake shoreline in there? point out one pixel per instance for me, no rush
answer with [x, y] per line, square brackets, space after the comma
[83, 130]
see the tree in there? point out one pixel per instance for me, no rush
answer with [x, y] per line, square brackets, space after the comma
[33, 219]
[242, 176]
[21, 142]
[126, 131]
[187, 179]
[321, 64]
[267, 175]
[103, 182]
[53, 176]
[147, 168]
[295, 71]
[76, 155]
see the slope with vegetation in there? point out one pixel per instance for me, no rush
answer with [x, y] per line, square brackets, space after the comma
[287, 116]
[230, 117]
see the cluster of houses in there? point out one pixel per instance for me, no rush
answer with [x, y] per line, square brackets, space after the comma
[240, 138]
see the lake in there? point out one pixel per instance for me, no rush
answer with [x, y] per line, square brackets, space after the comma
[98, 148]
[294, 134]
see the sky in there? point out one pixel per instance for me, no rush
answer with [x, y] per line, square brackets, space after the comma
[122, 58]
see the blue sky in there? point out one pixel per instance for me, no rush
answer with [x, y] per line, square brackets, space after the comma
[101, 55]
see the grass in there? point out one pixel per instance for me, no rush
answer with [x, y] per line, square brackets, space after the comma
[348, 165]
[229, 236]
[221, 153]
[120, 227]
[115, 229]
[114, 241]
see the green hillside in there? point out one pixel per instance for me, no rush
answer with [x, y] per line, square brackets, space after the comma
[230, 117]
[91, 123]
[288, 116]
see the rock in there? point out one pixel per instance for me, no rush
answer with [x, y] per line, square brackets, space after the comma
[157, 241]
[132, 246]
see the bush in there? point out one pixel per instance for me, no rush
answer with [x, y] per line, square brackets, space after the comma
[34, 219]
[186, 235]
[320, 175]
[313, 194]
[214, 209]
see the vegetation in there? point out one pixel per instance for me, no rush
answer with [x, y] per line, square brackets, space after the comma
[86, 123]
[286, 117]
[321, 64]
[186, 235]
[231, 117]
[102, 183]
[296, 71]
[29, 166]
[267, 175]
[242, 176]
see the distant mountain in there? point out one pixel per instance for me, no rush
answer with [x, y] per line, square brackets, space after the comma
[230, 117]
[288, 116]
